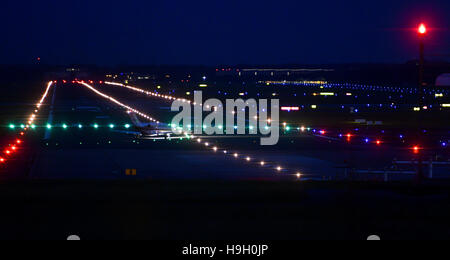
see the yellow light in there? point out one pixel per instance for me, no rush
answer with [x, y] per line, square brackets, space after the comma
[248, 159]
[417, 109]
[203, 85]
[327, 94]
[445, 105]
[439, 95]
[263, 163]
[279, 168]
[314, 106]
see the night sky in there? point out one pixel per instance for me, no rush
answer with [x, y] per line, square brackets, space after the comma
[220, 32]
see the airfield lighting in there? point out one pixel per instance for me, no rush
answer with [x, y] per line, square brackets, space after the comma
[422, 29]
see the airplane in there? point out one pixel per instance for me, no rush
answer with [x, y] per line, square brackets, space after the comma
[148, 130]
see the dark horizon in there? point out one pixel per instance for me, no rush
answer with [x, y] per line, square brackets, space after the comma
[208, 33]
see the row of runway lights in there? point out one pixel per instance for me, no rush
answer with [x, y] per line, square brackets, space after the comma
[128, 108]
[364, 87]
[286, 127]
[15, 145]
[249, 159]
[66, 126]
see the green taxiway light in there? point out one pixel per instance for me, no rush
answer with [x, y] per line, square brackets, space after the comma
[96, 126]
[12, 126]
[64, 126]
[127, 126]
[49, 126]
[111, 126]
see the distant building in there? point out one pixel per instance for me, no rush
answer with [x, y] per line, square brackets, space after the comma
[443, 80]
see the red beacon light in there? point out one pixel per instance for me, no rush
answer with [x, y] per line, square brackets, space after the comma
[422, 30]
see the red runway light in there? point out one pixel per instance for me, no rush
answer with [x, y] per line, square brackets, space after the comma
[8, 152]
[18, 141]
[2, 160]
[378, 142]
[422, 29]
